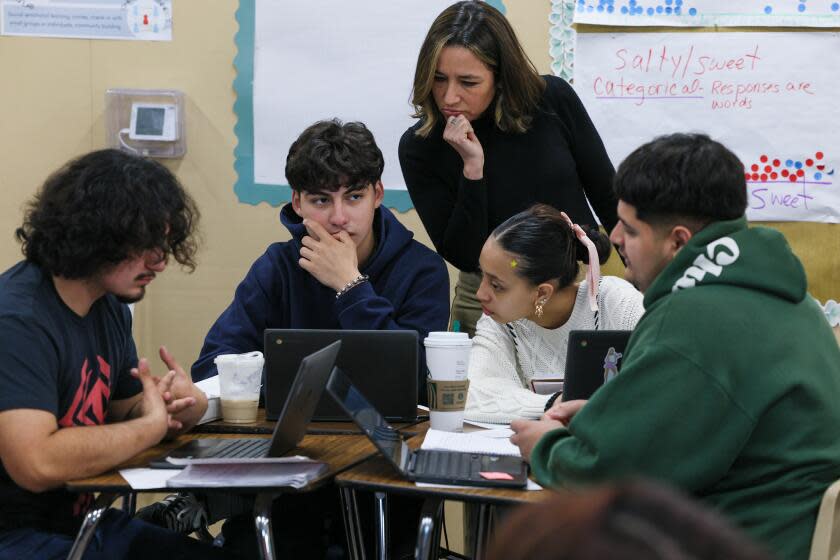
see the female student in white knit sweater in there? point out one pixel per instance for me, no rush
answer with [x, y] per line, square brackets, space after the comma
[531, 300]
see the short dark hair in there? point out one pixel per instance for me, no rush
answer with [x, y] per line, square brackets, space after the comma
[330, 154]
[688, 176]
[545, 246]
[104, 207]
[484, 31]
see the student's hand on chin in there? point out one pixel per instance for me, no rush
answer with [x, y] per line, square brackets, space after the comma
[331, 260]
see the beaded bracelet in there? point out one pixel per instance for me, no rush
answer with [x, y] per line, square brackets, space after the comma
[352, 284]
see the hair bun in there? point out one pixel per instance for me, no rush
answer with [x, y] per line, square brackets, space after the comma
[602, 245]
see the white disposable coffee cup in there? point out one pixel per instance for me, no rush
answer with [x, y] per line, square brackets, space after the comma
[240, 378]
[448, 358]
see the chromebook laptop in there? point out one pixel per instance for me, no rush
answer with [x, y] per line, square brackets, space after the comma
[424, 465]
[592, 358]
[306, 391]
[383, 364]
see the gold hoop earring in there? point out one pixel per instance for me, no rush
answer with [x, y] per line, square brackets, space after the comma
[538, 308]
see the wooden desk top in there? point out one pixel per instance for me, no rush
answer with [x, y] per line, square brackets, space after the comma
[263, 426]
[377, 474]
[340, 452]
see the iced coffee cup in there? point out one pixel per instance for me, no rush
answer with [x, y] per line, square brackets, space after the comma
[447, 357]
[240, 377]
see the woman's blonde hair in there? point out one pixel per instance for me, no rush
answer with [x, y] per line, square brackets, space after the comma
[483, 30]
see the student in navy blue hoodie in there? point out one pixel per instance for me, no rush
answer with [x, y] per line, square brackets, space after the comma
[349, 265]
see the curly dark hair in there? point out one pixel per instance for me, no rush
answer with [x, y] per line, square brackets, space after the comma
[330, 154]
[104, 207]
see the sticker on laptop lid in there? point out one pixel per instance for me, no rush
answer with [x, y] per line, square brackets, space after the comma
[496, 475]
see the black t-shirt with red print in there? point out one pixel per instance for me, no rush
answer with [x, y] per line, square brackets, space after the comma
[51, 359]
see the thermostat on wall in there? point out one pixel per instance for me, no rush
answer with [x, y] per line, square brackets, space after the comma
[153, 121]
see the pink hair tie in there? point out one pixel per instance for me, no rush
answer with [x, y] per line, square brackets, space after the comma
[593, 273]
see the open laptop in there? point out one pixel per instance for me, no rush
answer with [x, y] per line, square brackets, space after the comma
[306, 391]
[592, 358]
[383, 364]
[424, 465]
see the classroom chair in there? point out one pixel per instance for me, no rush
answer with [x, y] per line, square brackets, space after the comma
[825, 544]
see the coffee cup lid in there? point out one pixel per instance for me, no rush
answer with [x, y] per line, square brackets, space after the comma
[247, 357]
[447, 339]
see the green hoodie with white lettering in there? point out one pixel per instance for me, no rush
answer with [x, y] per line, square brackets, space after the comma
[730, 389]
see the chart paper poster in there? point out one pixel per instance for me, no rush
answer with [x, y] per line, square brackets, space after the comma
[769, 97]
[138, 20]
[321, 59]
[709, 13]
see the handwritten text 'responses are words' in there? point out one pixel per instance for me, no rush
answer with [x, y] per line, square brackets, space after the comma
[662, 73]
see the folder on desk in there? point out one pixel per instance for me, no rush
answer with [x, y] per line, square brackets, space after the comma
[254, 473]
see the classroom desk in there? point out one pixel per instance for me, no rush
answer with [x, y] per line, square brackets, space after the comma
[263, 426]
[339, 452]
[378, 476]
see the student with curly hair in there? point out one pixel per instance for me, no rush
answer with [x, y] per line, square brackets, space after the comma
[74, 399]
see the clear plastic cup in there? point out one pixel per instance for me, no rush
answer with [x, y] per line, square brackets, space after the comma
[240, 378]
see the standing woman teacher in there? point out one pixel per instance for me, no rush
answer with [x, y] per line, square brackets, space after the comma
[493, 138]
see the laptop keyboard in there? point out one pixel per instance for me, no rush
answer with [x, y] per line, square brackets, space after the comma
[444, 463]
[243, 448]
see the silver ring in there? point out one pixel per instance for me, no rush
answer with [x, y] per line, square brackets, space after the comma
[451, 120]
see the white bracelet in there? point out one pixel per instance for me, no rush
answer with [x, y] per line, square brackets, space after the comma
[352, 284]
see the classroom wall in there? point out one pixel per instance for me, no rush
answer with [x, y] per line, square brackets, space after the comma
[52, 109]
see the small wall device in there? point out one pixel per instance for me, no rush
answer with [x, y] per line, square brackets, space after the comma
[153, 121]
[147, 122]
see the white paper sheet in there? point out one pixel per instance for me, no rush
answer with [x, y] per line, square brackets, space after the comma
[321, 59]
[148, 479]
[708, 13]
[471, 442]
[769, 97]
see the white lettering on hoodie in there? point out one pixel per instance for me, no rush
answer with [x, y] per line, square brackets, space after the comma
[719, 253]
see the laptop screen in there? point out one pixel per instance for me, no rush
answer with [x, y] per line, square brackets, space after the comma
[357, 407]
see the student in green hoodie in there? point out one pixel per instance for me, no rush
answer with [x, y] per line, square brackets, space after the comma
[730, 383]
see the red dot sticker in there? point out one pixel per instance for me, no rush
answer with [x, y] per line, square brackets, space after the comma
[763, 159]
[776, 163]
[774, 175]
[800, 172]
[785, 172]
[792, 178]
[809, 162]
[764, 176]
[747, 176]
[755, 176]
[818, 155]
[768, 169]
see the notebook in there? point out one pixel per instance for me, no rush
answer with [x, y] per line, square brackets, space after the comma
[424, 465]
[592, 358]
[306, 391]
[383, 364]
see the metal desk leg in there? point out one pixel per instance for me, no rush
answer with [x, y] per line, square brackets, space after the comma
[88, 528]
[428, 532]
[129, 504]
[483, 532]
[381, 516]
[352, 524]
[262, 520]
